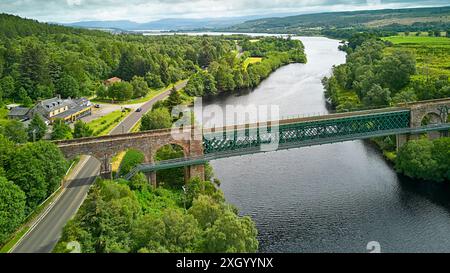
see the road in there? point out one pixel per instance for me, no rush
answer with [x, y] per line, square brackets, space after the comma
[45, 233]
[127, 124]
[43, 236]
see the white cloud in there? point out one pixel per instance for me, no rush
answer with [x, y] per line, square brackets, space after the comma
[74, 2]
[147, 10]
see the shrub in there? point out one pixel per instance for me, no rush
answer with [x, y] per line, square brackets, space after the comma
[131, 159]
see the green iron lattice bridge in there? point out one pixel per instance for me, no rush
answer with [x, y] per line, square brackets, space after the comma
[295, 133]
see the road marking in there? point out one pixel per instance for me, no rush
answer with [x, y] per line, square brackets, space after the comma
[50, 206]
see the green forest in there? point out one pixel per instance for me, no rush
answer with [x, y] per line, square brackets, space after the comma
[390, 71]
[232, 73]
[378, 73]
[123, 216]
[22, 191]
[40, 60]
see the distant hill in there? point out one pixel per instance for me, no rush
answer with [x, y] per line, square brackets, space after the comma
[367, 19]
[122, 24]
[171, 23]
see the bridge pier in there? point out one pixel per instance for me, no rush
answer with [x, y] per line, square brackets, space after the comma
[194, 171]
[105, 168]
[403, 138]
[151, 177]
[434, 135]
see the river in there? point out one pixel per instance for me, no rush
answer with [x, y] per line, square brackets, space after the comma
[330, 198]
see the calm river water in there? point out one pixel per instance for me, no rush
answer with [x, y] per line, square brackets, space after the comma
[330, 198]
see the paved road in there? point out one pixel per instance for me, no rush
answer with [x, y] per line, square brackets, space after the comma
[44, 235]
[128, 123]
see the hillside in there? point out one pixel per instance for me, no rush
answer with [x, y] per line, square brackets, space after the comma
[39, 60]
[436, 17]
[172, 23]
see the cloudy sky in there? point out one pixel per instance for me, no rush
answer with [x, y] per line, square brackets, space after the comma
[149, 10]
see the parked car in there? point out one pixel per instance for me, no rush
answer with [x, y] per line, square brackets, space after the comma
[97, 106]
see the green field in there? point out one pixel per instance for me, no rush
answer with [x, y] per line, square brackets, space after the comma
[251, 60]
[432, 53]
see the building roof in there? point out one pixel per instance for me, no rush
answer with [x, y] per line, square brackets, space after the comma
[47, 106]
[18, 111]
[12, 105]
[113, 80]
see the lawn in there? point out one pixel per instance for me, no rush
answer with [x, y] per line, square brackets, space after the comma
[251, 60]
[432, 53]
[105, 124]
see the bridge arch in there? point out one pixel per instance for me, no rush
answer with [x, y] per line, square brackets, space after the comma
[118, 158]
[176, 177]
[184, 145]
[431, 118]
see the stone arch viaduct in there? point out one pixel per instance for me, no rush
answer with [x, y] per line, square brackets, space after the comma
[405, 121]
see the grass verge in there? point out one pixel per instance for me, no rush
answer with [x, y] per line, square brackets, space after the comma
[9, 245]
[102, 126]
[136, 128]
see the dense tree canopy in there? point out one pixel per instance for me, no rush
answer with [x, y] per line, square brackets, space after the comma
[378, 78]
[229, 72]
[37, 128]
[45, 167]
[61, 130]
[115, 218]
[81, 129]
[43, 60]
[425, 159]
[159, 118]
[7, 149]
[12, 208]
[15, 131]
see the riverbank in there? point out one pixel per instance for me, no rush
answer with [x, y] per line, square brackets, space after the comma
[382, 82]
[329, 198]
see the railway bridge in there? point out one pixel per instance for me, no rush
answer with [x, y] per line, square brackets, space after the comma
[200, 145]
